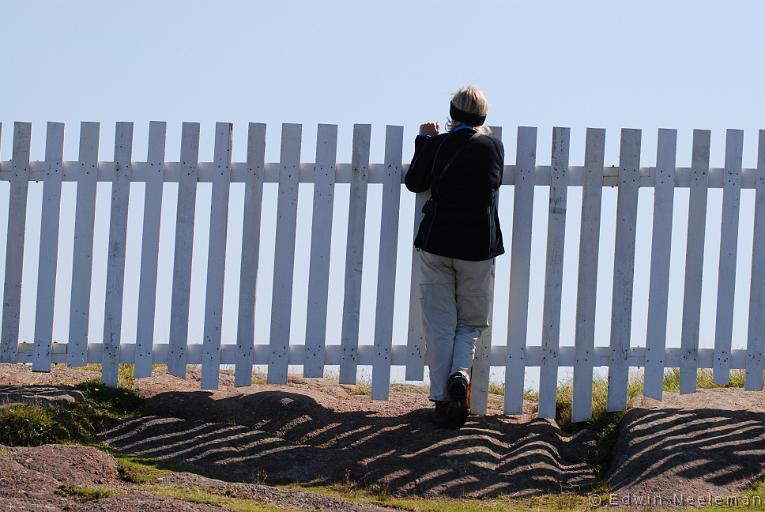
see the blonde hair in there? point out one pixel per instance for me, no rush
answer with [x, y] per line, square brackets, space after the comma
[472, 100]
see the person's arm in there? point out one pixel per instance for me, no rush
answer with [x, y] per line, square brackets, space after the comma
[500, 168]
[418, 177]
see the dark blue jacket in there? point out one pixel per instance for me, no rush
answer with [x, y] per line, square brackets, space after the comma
[464, 171]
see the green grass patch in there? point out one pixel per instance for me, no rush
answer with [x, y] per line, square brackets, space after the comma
[125, 373]
[34, 425]
[136, 470]
[377, 495]
[102, 408]
[83, 493]
[704, 379]
[211, 498]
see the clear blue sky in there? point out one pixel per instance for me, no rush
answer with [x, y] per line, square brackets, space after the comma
[682, 64]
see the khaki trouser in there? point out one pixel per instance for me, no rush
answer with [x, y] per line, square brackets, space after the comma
[454, 296]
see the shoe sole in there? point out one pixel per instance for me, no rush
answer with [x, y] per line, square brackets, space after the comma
[457, 412]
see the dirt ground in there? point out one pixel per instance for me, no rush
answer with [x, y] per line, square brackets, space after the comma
[315, 430]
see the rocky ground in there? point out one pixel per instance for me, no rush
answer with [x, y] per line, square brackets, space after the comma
[316, 431]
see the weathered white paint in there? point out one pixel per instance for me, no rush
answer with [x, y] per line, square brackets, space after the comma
[321, 238]
[14, 248]
[284, 253]
[520, 263]
[296, 353]
[694, 261]
[248, 273]
[726, 278]
[755, 361]
[184, 241]
[556, 228]
[415, 339]
[348, 354]
[216, 258]
[206, 170]
[386, 274]
[624, 269]
[82, 257]
[48, 259]
[588, 274]
[661, 246]
[481, 360]
[354, 253]
[147, 286]
[115, 270]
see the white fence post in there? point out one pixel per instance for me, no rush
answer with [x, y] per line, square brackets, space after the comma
[321, 238]
[216, 257]
[82, 258]
[248, 273]
[14, 248]
[147, 287]
[556, 229]
[584, 336]
[354, 254]
[661, 246]
[694, 261]
[520, 264]
[386, 276]
[48, 259]
[115, 273]
[756, 337]
[184, 241]
[624, 269]
[284, 253]
[726, 278]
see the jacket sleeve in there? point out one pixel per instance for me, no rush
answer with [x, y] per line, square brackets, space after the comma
[418, 176]
[500, 163]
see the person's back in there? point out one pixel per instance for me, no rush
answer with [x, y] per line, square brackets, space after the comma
[463, 169]
[456, 242]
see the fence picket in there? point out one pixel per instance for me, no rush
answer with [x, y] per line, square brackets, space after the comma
[354, 253]
[520, 262]
[184, 242]
[115, 270]
[216, 257]
[48, 258]
[661, 247]
[82, 258]
[479, 399]
[556, 228]
[584, 336]
[726, 279]
[624, 269]
[284, 253]
[147, 287]
[248, 273]
[756, 334]
[321, 238]
[415, 340]
[694, 260]
[14, 248]
[386, 276]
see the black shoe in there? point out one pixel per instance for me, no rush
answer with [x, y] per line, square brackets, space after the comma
[457, 411]
[441, 417]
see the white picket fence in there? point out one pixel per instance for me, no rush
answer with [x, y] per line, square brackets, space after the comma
[520, 179]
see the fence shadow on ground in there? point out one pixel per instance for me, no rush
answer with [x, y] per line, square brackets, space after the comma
[282, 437]
[721, 448]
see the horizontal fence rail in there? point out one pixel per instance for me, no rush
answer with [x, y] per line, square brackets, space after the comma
[515, 354]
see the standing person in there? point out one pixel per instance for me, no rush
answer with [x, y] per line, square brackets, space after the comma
[457, 241]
